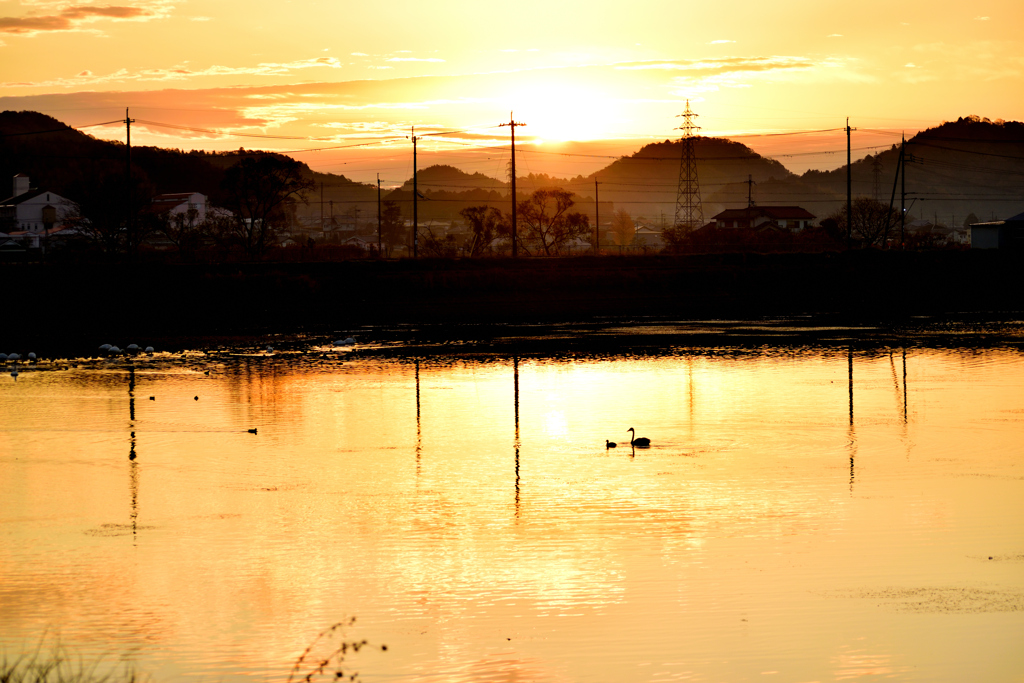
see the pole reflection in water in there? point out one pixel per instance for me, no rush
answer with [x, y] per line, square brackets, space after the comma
[904, 350]
[133, 487]
[131, 393]
[419, 433]
[515, 385]
[852, 433]
[133, 466]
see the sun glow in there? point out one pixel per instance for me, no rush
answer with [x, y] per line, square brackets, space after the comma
[561, 112]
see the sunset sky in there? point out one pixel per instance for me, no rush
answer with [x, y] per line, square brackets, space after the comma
[612, 76]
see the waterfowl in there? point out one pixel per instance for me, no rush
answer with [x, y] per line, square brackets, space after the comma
[253, 430]
[642, 442]
[609, 444]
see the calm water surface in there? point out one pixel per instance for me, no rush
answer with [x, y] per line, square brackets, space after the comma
[804, 513]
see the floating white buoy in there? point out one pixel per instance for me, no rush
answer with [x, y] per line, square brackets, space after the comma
[149, 349]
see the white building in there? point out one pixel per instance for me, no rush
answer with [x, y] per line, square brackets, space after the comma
[33, 212]
[180, 203]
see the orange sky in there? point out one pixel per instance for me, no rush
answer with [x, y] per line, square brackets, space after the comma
[613, 76]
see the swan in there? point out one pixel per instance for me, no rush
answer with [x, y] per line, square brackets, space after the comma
[642, 442]
[3, 357]
[14, 357]
[104, 347]
[609, 444]
[149, 349]
[32, 356]
[133, 348]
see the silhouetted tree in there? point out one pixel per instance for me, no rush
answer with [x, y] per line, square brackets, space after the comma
[676, 238]
[623, 227]
[392, 227]
[485, 222]
[443, 247]
[185, 231]
[258, 191]
[546, 224]
[872, 221]
[102, 215]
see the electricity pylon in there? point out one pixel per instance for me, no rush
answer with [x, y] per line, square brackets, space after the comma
[689, 213]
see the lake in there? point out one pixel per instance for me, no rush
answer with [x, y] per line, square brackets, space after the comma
[842, 507]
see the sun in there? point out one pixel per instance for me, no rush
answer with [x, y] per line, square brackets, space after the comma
[560, 112]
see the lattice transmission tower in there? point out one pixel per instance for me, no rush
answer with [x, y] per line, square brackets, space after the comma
[689, 213]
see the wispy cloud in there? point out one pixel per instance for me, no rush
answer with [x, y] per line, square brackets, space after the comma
[981, 18]
[834, 35]
[88, 78]
[66, 17]
[730, 64]
[414, 59]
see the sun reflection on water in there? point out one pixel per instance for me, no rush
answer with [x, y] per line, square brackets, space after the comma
[468, 511]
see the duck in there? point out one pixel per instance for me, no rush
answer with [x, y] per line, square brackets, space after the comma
[609, 444]
[642, 442]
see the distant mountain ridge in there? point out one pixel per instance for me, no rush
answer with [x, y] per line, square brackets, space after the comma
[969, 166]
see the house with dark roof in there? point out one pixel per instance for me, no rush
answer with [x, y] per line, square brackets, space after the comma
[180, 203]
[1008, 234]
[32, 211]
[792, 218]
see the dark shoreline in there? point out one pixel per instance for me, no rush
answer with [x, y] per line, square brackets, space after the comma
[57, 305]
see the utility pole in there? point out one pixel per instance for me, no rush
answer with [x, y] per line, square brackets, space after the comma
[750, 190]
[321, 206]
[129, 223]
[512, 123]
[876, 171]
[378, 216]
[415, 196]
[597, 217]
[849, 190]
[892, 198]
[903, 187]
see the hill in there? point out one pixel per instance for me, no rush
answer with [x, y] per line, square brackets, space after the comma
[969, 167]
[61, 159]
[963, 167]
